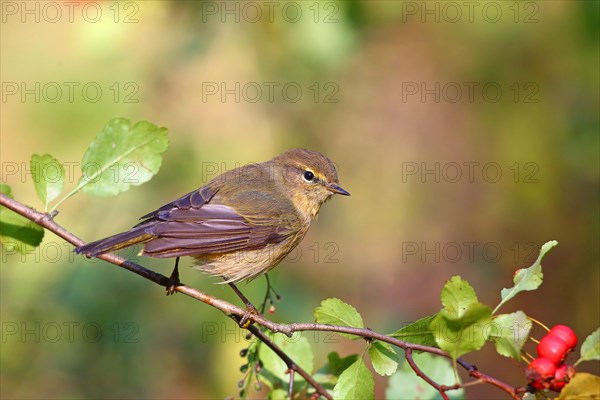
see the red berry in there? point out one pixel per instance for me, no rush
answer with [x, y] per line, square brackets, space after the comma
[559, 378]
[566, 334]
[539, 372]
[562, 375]
[553, 348]
[537, 385]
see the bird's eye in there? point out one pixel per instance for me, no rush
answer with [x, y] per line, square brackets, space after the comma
[309, 176]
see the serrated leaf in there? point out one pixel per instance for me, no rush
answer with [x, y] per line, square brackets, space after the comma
[457, 296]
[356, 382]
[509, 333]
[418, 332]
[460, 335]
[526, 279]
[274, 371]
[384, 358]
[122, 155]
[328, 375]
[48, 177]
[405, 384]
[582, 386]
[17, 233]
[335, 312]
[460, 327]
[590, 349]
[337, 365]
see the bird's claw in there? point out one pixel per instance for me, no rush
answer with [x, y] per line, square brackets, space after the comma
[246, 319]
[174, 279]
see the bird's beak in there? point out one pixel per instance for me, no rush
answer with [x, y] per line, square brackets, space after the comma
[337, 189]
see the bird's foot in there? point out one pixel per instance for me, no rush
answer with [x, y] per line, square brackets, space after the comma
[246, 319]
[172, 288]
[174, 279]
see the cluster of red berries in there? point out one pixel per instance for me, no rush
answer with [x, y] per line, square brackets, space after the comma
[548, 371]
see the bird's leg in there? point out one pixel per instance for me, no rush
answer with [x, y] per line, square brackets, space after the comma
[245, 321]
[174, 278]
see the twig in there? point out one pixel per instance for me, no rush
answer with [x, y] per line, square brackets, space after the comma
[422, 375]
[237, 313]
[291, 388]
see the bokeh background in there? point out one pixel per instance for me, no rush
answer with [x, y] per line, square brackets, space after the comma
[467, 135]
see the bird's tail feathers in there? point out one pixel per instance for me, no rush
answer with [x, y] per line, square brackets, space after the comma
[114, 243]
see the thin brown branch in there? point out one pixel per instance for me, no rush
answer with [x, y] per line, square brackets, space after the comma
[289, 329]
[237, 313]
[512, 391]
[422, 375]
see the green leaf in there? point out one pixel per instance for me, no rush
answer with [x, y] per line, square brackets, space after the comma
[405, 384]
[335, 312]
[460, 335]
[461, 326]
[527, 279]
[509, 333]
[590, 349]
[122, 155]
[458, 296]
[329, 373]
[384, 358]
[17, 233]
[48, 177]
[356, 382]
[274, 372]
[337, 365]
[278, 394]
[418, 332]
[581, 387]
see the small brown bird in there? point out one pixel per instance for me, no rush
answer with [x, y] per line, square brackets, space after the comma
[242, 223]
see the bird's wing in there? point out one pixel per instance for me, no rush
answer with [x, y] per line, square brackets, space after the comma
[202, 223]
[195, 199]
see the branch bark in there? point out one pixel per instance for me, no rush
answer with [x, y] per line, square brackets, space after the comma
[46, 221]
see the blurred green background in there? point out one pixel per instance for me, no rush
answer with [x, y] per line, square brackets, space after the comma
[468, 136]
